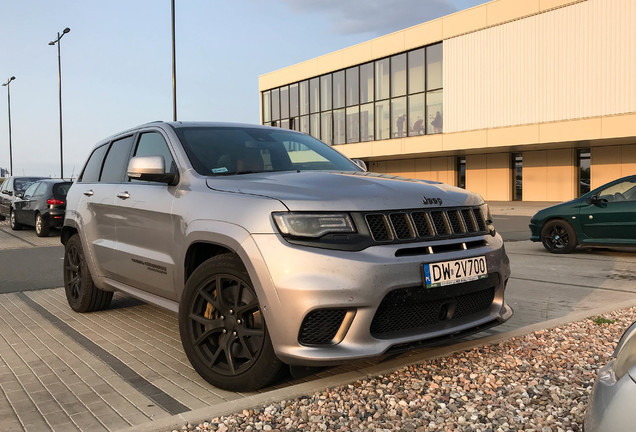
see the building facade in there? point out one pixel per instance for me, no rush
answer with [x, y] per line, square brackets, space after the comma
[530, 100]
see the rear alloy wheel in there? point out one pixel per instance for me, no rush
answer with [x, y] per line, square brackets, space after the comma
[558, 237]
[15, 226]
[222, 327]
[41, 228]
[81, 293]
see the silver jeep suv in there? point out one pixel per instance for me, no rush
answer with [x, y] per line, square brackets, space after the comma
[273, 248]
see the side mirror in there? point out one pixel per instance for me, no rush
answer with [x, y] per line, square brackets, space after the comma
[595, 200]
[151, 168]
[19, 194]
[361, 164]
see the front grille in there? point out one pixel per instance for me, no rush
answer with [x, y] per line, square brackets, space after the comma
[417, 309]
[321, 326]
[417, 225]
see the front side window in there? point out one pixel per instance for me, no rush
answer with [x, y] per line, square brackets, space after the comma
[116, 161]
[622, 191]
[153, 144]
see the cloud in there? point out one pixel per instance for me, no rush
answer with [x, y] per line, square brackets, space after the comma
[374, 17]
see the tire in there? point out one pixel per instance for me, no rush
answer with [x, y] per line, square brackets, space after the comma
[558, 237]
[41, 227]
[81, 293]
[222, 328]
[15, 226]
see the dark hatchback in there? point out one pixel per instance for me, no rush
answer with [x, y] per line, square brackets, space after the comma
[42, 206]
[9, 189]
[605, 216]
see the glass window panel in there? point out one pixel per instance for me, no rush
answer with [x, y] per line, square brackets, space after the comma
[314, 95]
[366, 122]
[326, 128]
[314, 123]
[267, 113]
[293, 100]
[382, 120]
[382, 79]
[275, 104]
[339, 89]
[434, 78]
[352, 86]
[416, 71]
[275, 123]
[339, 126]
[366, 83]
[116, 161]
[398, 75]
[304, 124]
[434, 112]
[398, 114]
[304, 97]
[517, 176]
[284, 102]
[153, 144]
[416, 114]
[353, 124]
[461, 172]
[325, 92]
[294, 123]
[583, 157]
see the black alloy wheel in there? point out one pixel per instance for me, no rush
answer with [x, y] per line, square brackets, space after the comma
[558, 237]
[222, 327]
[81, 293]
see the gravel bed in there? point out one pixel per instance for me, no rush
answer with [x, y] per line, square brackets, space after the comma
[538, 382]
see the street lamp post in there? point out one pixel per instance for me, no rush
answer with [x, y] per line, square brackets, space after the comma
[9, 104]
[174, 70]
[59, 81]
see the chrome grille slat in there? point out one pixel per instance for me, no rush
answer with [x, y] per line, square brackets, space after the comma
[425, 224]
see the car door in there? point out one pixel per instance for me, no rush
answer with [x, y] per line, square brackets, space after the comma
[6, 191]
[145, 224]
[613, 218]
[29, 204]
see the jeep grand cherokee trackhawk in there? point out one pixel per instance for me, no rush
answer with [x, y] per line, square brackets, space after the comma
[273, 248]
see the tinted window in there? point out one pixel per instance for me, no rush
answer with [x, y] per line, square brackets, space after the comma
[93, 166]
[116, 161]
[153, 144]
[61, 189]
[20, 184]
[30, 191]
[41, 189]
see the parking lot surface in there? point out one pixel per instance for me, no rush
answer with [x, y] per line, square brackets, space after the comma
[124, 368]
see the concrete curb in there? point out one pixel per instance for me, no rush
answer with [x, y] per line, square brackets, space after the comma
[257, 400]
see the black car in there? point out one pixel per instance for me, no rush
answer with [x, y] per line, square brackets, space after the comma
[42, 205]
[11, 187]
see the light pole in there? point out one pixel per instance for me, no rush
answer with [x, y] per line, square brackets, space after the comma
[59, 81]
[174, 71]
[9, 103]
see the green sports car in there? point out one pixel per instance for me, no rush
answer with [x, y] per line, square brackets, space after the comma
[605, 216]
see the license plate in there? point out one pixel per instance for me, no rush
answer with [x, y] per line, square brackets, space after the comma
[454, 272]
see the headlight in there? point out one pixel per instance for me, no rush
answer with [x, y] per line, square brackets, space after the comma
[485, 211]
[625, 352]
[313, 224]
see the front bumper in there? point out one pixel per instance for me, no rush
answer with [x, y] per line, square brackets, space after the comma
[359, 294]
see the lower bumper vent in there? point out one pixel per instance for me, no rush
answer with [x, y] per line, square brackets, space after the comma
[321, 326]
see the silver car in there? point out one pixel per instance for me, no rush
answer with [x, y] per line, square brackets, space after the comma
[273, 248]
[613, 399]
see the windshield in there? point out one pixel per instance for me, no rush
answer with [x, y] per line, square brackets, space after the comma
[241, 150]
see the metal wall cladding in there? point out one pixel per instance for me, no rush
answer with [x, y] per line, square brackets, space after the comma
[573, 62]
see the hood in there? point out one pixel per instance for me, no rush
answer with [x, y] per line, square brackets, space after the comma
[345, 191]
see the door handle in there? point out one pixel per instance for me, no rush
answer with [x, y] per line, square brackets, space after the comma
[123, 195]
[89, 192]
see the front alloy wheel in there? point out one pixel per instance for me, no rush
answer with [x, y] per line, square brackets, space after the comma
[558, 236]
[222, 328]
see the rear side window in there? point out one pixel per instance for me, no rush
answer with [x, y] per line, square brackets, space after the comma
[116, 161]
[93, 166]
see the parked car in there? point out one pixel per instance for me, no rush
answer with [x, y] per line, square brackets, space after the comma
[41, 206]
[605, 216]
[276, 249]
[8, 191]
[611, 406]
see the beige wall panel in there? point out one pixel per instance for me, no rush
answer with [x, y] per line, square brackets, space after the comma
[423, 144]
[443, 170]
[388, 147]
[552, 4]
[498, 177]
[476, 174]
[628, 153]
[501, 11]
[423, 168]
[357, 54]
[407, 168]
[377, 166]
[355, 150]
[387, 45]
[393, 167]
[464, 22]
[606, 164]
[535, 172]
[570, 131]
[619, 126]
[568, 63]
[514, 135]
[561, 175]
[423, 34]
[466, 140]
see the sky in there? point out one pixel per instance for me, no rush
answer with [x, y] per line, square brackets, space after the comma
[117, 62]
